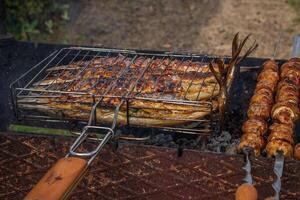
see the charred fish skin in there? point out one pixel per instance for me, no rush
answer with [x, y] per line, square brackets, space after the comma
[164, 79]
[157, 79]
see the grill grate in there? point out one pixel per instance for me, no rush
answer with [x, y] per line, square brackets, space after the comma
[125, 86]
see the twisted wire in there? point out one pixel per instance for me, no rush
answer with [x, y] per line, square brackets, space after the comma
[247, 167]
[278, 170]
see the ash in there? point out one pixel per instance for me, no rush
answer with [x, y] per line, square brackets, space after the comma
[223, 143]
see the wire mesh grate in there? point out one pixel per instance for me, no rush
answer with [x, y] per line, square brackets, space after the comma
[176, 92]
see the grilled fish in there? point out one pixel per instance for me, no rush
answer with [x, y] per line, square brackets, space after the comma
[140, 81]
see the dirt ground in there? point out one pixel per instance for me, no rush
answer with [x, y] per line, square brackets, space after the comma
[201, 26]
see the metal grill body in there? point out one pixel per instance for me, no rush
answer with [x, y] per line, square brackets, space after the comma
[139, 172]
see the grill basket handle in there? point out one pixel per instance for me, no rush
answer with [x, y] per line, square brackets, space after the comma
[60, 180]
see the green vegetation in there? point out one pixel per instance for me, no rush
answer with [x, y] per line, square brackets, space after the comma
[38, 130]
[18, 128]
[24, 19]
[295, 4]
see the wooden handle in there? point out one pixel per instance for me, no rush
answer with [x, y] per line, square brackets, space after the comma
[60, 180]
[246, 192]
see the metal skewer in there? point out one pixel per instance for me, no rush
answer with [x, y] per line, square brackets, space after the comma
[279, 157]
[276, 46]
[247, 190]
[278, 170]
[247, 167]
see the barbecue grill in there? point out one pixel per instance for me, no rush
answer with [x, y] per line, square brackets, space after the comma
[234, 118]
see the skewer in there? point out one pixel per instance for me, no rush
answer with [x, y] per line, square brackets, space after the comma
[251, 192]
[276, 46]
[247, 167]
[279, 158]
[247, 191]
[278, 170]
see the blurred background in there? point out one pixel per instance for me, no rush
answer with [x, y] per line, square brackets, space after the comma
[201, 26]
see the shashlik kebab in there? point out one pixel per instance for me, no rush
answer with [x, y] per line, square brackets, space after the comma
[285, 111]
[284, 114]
[255, 127]
[259, 111]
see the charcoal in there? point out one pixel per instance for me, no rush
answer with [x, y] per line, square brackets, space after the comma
[220, 142]
[232, 147]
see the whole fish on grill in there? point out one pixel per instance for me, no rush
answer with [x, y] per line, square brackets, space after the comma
[163, 79]
[158, 91]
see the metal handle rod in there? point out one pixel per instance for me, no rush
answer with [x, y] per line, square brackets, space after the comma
[83, 136]
[108, 135]
[278, 170]
[276, 45]
[248, 178]
[296, 45]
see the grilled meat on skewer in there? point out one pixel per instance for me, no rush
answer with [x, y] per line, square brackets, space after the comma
[277, 145]
[268, 74]
[264, 91]
[286, 96]
[255, 142]
[285, 112]
[282, 127]
[270, 64]
[262, 98]
[284, 135]
[259, 109]
[297, 151]
[256, 126]
[267, 84]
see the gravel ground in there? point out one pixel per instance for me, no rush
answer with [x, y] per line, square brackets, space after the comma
[203, 26]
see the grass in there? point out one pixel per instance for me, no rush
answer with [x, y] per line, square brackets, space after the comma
[295, 4]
